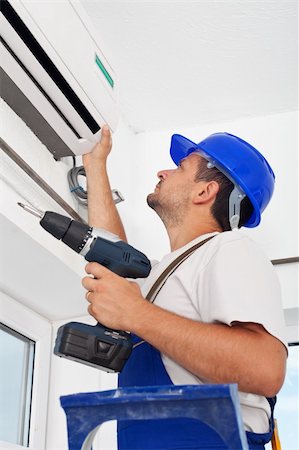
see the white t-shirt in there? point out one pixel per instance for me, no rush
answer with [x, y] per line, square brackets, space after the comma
[227, 279]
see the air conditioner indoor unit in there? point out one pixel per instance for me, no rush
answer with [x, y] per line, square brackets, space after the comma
[55, 75]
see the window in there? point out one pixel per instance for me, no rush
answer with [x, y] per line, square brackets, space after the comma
[25, 352]
[286, 410]
[16, 375]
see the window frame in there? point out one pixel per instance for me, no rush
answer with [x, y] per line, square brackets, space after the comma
[291, 325]
[25, 321]
[26, 379]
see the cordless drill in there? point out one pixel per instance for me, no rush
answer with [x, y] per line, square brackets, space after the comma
[96, 346]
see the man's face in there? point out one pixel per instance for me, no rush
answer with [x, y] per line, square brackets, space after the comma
[172, 196]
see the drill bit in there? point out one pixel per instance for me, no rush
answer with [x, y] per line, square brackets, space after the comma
[36, 212]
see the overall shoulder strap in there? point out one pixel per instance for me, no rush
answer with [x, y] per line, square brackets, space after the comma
[161, 280]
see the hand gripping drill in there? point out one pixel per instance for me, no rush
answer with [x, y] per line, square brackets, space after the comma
[96, 346]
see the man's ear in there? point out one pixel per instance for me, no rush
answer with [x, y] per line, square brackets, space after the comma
[205, 192]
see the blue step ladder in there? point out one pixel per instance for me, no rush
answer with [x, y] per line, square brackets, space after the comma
[216, 406]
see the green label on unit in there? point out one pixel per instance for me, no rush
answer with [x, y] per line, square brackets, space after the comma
[104, 71]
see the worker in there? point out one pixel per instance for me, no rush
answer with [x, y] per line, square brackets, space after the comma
[218, 317]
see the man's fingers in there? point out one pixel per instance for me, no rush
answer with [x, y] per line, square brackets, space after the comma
[89, 283]
[105, 136]
[90, 311]
[87, 296]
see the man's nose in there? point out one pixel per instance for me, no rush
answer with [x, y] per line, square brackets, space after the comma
[162, 174]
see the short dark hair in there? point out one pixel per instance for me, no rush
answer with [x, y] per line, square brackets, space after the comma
[220, 208]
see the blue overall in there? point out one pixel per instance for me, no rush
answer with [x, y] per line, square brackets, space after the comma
[145, 368]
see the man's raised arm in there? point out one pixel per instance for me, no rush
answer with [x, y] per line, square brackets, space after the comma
[102, 212]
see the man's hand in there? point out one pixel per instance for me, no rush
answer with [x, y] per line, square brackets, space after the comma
[102, 212]
[243, 353]
[114, 301]
[100, 151]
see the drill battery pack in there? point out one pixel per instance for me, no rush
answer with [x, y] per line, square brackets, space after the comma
[94, 346]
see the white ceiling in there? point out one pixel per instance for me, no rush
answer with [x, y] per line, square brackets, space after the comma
[185, 63]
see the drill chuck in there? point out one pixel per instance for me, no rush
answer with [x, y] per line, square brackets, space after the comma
[74, 234]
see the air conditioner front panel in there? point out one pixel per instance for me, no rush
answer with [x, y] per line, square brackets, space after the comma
[76, 50]
[101, 109]
[25, 49]
[30, 64]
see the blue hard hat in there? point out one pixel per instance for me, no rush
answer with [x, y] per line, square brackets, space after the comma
[238, 160]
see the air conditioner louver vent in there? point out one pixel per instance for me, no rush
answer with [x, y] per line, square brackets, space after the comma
[41, 56]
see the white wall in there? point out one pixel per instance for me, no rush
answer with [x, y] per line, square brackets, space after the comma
[133, 165]
[275, 136]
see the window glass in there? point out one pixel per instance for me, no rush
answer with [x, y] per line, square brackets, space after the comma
[16, 374]
[286, 411]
